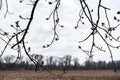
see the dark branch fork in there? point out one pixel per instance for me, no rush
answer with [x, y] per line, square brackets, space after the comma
[29, 23]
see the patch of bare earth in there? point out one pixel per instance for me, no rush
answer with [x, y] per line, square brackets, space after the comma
[70, 75]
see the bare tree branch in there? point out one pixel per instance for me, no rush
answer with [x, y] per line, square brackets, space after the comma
[0, 4]
[29, 23]
[104, 31]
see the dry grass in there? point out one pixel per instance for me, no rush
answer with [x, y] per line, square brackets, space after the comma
[71, 75]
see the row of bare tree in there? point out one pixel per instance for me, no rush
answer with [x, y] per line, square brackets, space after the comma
[67, 62]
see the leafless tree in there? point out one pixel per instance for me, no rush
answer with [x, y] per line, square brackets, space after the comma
[61, 63]
[51, 61]
[17, 40]
[1, 63]
[67, 61]
[9, 58]
[76, 63]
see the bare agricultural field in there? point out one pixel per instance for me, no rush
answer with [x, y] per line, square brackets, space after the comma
[70, 75]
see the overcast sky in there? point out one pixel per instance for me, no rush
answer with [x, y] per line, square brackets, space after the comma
[41, 32]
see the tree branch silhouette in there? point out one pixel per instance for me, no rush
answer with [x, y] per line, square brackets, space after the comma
[54, 14]
[104, 31]
[95, 30]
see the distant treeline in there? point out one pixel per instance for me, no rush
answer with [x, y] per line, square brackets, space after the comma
[54, 63]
